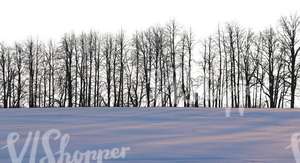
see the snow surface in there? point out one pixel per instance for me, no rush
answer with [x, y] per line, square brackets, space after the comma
[165, 135]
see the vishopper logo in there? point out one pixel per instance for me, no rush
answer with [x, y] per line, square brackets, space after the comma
[294, 146]
[61, 156]
[228, 112]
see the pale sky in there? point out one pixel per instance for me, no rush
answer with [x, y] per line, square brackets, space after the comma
[50, 19]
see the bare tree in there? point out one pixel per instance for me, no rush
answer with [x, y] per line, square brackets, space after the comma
[68, 48]
[290, 27]
[172, 30]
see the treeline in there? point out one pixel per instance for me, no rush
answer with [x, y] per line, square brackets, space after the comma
[160, 66]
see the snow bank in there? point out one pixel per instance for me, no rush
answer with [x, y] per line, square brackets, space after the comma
[163, 135]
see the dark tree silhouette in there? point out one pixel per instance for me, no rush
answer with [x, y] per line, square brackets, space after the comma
[161, 66]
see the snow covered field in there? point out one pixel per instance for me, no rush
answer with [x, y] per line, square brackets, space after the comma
[163, 135]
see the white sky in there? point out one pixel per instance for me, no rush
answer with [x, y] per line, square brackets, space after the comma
[50, 19]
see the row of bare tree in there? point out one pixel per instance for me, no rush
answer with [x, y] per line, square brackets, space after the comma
[236, 68]
[246, 69]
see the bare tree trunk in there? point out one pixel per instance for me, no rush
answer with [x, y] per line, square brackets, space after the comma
[189, 78]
